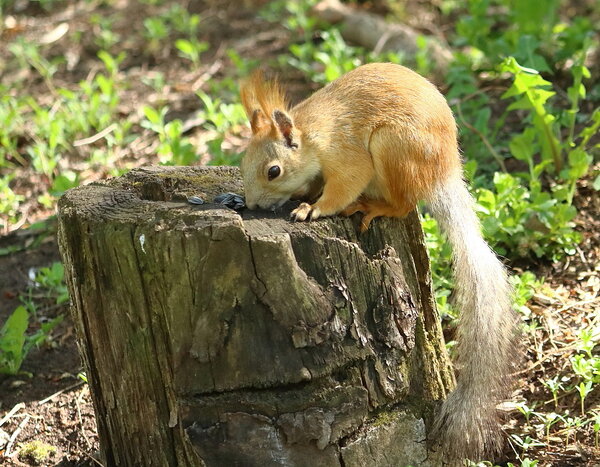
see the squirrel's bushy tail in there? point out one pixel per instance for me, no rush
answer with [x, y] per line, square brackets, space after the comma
[467, 424]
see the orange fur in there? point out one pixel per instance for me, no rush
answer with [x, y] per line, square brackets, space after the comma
[258, 93]
[381, 132]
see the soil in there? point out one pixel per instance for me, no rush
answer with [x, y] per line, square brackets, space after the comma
[54, 404]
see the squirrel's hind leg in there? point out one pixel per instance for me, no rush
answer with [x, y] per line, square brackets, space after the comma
[360, 205]
[376, 208]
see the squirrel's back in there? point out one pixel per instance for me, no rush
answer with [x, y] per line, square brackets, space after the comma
[374, 95]
[392, 115]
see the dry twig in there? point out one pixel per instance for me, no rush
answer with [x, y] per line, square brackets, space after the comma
[15, 434]
[58, 393]
[13, 411]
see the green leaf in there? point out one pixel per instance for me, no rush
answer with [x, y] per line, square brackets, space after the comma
[185, 46]
[510, 65]
[579, 163]
[539, 168]
[486, 201]
[12, 341]
[521, 146]
[63, 182]
[152, 115]
[105, 84]
[527, 51]
[109, 62]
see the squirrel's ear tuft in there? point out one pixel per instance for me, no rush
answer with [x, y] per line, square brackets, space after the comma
[259, 121]
[285, 126]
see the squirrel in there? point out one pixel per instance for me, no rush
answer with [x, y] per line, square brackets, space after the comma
[378, 140]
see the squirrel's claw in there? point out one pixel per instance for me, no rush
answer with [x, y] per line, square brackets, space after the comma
[305, 212]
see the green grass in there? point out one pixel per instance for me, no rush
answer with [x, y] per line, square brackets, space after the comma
[28, 326]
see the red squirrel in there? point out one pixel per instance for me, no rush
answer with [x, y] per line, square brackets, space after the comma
[378, 140]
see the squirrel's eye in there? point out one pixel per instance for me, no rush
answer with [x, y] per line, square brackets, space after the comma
[274, 172]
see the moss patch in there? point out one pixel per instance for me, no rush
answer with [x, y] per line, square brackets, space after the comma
[36, 452]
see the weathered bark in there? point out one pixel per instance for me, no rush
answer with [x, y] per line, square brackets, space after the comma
[226, 339]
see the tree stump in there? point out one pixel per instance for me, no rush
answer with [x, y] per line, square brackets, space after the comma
[217, 338]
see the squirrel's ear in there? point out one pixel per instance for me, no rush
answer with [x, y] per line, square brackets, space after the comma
[286, 127]
[258, 121]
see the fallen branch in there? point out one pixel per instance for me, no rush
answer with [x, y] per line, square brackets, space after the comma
[374, 33]
[96, 137]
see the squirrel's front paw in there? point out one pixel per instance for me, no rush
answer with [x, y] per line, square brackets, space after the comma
[305, 212]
